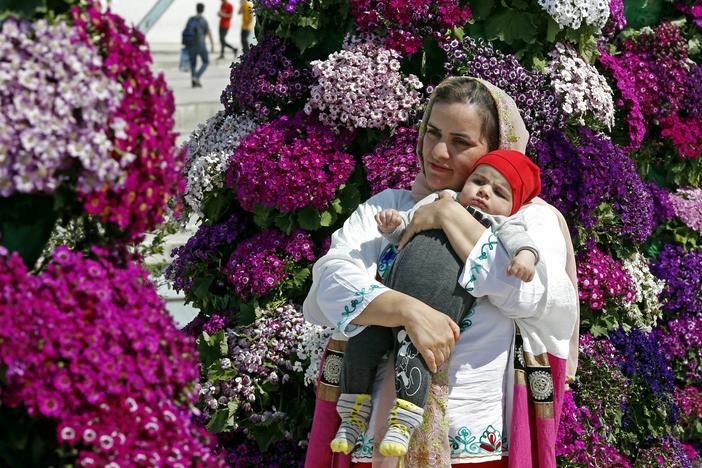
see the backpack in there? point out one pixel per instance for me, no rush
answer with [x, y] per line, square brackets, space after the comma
[190, 32]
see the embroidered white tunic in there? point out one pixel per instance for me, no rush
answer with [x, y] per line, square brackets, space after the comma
[479, 406]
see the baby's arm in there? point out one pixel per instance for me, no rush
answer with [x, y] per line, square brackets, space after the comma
[392, 224]
[521, 248]
[388, 220]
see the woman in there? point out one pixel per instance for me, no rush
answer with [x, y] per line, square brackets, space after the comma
[476, 400]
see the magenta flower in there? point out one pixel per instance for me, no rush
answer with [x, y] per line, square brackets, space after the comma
[259, 264]
[393, 163]
[290, 163]
[146, 141]
[114, 370]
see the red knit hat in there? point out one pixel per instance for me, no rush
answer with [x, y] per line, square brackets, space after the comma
[523, 175]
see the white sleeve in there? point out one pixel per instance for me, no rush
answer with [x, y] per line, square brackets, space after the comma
[343, 281]
[485, 273]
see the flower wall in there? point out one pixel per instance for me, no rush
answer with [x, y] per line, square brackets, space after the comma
[324, 113]
[94, 371]
[318, 116]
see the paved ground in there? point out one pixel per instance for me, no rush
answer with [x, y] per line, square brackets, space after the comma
[193, 106]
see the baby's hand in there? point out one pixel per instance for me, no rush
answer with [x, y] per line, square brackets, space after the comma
[523, 265]
[388, 220]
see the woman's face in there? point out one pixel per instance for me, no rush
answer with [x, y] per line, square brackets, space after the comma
[452, 144]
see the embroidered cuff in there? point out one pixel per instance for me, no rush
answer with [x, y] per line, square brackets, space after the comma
[355, 306]
[478, 262]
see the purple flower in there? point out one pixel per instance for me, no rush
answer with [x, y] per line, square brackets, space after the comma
[642, 359]
[578, 179]
[680, 341]
[203, 253]
[393, 163]
[259, 264]
[264, 81]
[403, 25]
[114, 372]
[603, 281]
[681, 272]
[687, 203]
[530, 90]
[289, 164]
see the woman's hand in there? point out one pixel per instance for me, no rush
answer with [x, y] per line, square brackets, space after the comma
[428, 217]
[433, 333]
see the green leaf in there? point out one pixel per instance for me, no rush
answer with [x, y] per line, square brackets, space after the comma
[211, 348]
[219, 421]
[264, 435]
[201, 286]
[481, 8]
[215, 206]
[285, 222]
[336, 206]
[308, 22]
[304, 38]
[640, 13]
[262, 216]
[350, 198]
[598, 331]
[308, 218]
[327, 218]
[458, 33]
[300, 276]
[215, 373]
[552, 29]
[247, 314]
[511, 26]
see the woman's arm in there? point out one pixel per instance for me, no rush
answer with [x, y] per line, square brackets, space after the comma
[432, 332]
[461, 228]
[345, 294]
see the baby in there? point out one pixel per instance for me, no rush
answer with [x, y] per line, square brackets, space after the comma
[489, 190]
[500, 183]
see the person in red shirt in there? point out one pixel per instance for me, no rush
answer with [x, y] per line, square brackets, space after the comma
[225, 20]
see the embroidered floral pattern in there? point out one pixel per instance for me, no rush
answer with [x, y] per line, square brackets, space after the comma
[509, 135]
[490, 440]
[467, 321]
[387, 258]
[484, 249]
[351, 308]
[364, 446]
[428, 446]
[464, 442]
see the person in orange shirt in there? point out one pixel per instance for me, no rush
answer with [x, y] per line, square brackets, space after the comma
[226, 10]
[246, 10]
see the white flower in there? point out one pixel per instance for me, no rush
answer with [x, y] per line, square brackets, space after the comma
[209, 149]
[572, 13]
[645, 310]
[357, 85]
[579, 86]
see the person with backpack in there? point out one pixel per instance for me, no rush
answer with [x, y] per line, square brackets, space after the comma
[194, 41]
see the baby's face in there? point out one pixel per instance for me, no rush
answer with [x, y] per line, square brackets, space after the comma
[488, 190]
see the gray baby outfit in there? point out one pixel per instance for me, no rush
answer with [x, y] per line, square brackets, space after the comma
[428, 269]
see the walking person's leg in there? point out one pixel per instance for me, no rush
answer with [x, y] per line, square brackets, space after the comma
[202, 52]
[223, 40]
[245, 35]
[192, 54]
